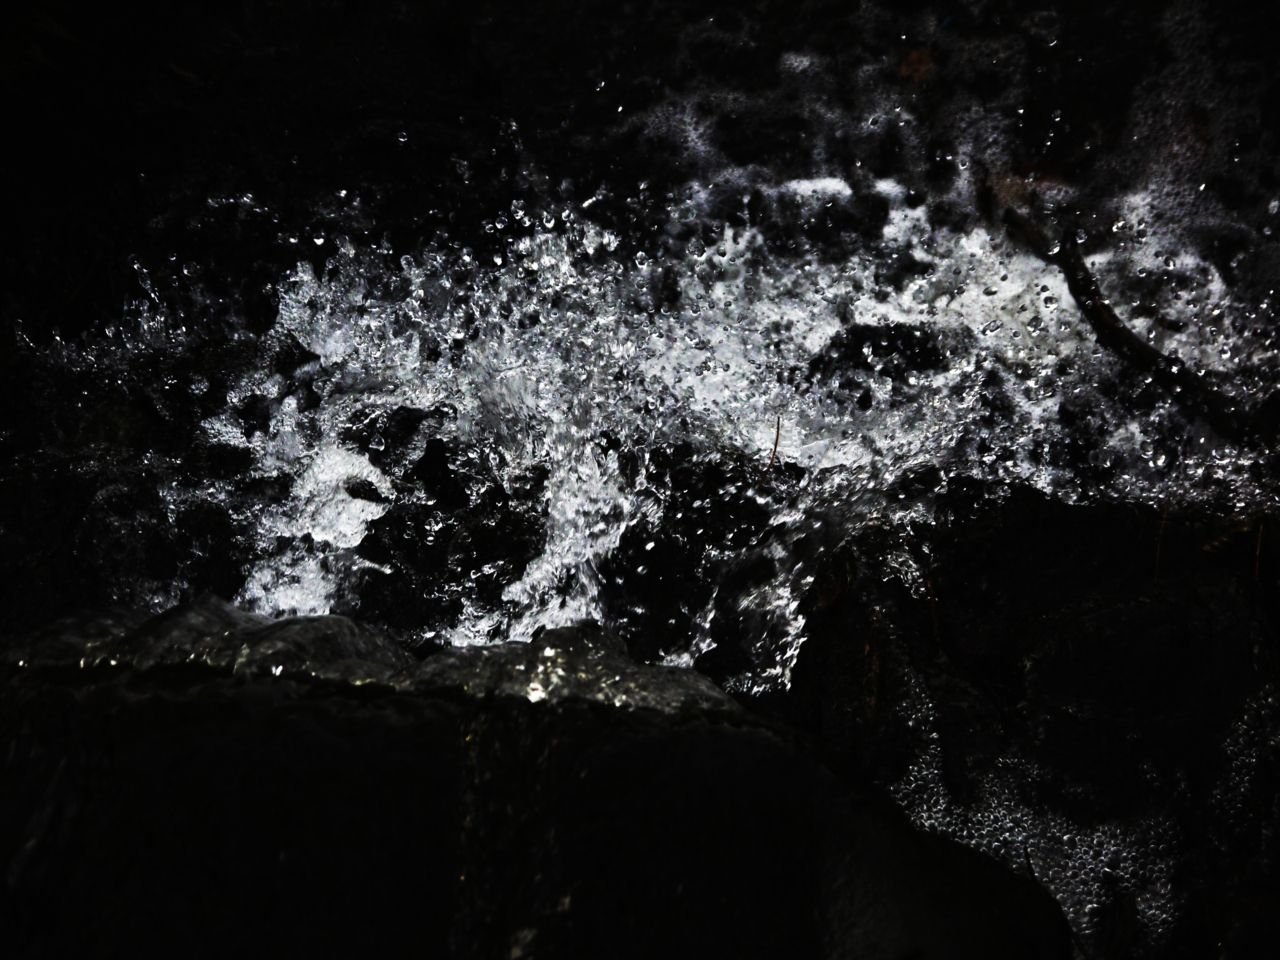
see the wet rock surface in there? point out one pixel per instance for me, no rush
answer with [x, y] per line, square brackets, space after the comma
[1060, 671]
[282, 787]
[1108, 746]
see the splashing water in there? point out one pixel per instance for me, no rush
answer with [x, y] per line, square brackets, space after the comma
[569, 369]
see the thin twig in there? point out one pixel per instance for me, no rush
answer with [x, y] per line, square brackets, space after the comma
[1187, 388]
[777, 435]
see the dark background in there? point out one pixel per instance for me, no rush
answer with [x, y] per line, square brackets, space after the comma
[116, 116]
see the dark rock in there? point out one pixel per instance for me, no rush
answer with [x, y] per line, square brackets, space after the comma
[1112, 652]
[465, 532]
[542, 800]
[889, 350]
[895, 351]
[703, 509]
[211, 633]
[582, 663]
[834, 226]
